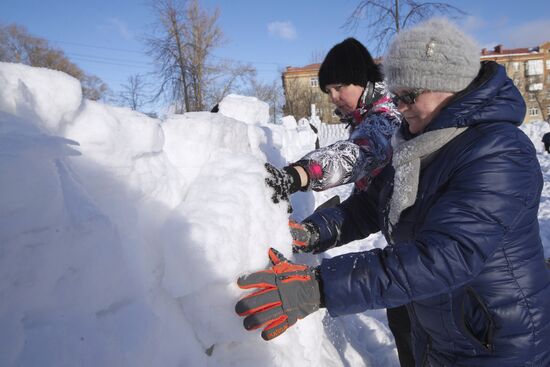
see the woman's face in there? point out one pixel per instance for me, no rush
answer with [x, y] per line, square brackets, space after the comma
[344, 96]
[423, 109]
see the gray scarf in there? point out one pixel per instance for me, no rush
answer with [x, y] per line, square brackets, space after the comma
[407, 159]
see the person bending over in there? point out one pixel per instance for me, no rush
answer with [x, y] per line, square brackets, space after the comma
[458, 207]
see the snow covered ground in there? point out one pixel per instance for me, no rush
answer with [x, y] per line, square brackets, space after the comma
[121, 236]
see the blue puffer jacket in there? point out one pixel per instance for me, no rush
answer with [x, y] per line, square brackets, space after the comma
[466, 258]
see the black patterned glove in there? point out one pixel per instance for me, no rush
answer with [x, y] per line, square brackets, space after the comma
[284, 182]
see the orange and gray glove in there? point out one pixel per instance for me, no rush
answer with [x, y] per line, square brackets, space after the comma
[305, 237]
[284, 293]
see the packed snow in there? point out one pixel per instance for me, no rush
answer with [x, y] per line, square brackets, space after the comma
[121, 236]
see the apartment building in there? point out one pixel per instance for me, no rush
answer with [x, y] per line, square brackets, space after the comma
[529, 68]
[303, 97]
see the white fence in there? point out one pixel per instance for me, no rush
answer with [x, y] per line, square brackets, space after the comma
[330, 133]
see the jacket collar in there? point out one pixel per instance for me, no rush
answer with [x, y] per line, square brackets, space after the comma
[408, 156]
[375, 97]
[491, 97]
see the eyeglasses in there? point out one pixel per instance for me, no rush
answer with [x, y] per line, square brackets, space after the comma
[407, 98]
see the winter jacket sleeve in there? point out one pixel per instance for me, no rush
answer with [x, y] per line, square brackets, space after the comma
[491, 189]
[354, 219]
[359, 158]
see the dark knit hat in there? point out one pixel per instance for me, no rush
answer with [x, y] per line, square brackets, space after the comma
[348, 62]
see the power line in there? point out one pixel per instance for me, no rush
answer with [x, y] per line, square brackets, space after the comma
[99, 47]
[78, 58]
[129, 63]
[102, 58]
[278, 64]
[248, 61]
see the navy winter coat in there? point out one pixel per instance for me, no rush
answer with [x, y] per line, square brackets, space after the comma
[466, 258]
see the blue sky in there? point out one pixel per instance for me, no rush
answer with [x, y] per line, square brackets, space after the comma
[104, 37]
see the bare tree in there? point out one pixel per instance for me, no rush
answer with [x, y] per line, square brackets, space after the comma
[224, 77]
[384, 18]
[134, 93]
[540, 98]
[271, 93]
[317, 56]
[93, 88]
[185, 37]
[205, 36]
[168, 48]
[17, 45]
[299, 97]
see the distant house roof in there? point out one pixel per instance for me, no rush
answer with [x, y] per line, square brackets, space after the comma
[314, 67]
[303, 69]
[498, 50]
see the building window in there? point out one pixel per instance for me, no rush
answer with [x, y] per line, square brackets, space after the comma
[533, 111]
[534, 67]
[535, 86]
[313, 82]
[515, 65]
[548, 63]
[531, 97]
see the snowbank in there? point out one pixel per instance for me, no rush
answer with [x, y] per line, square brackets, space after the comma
[121, 236]
[247, 109]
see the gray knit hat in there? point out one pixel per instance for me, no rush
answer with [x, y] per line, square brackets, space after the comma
[434, 55]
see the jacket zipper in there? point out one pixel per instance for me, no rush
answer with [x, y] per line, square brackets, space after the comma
[425, 362]
[427, 352]
[487, 341]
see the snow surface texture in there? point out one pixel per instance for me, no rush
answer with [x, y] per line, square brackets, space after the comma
[121, 236]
